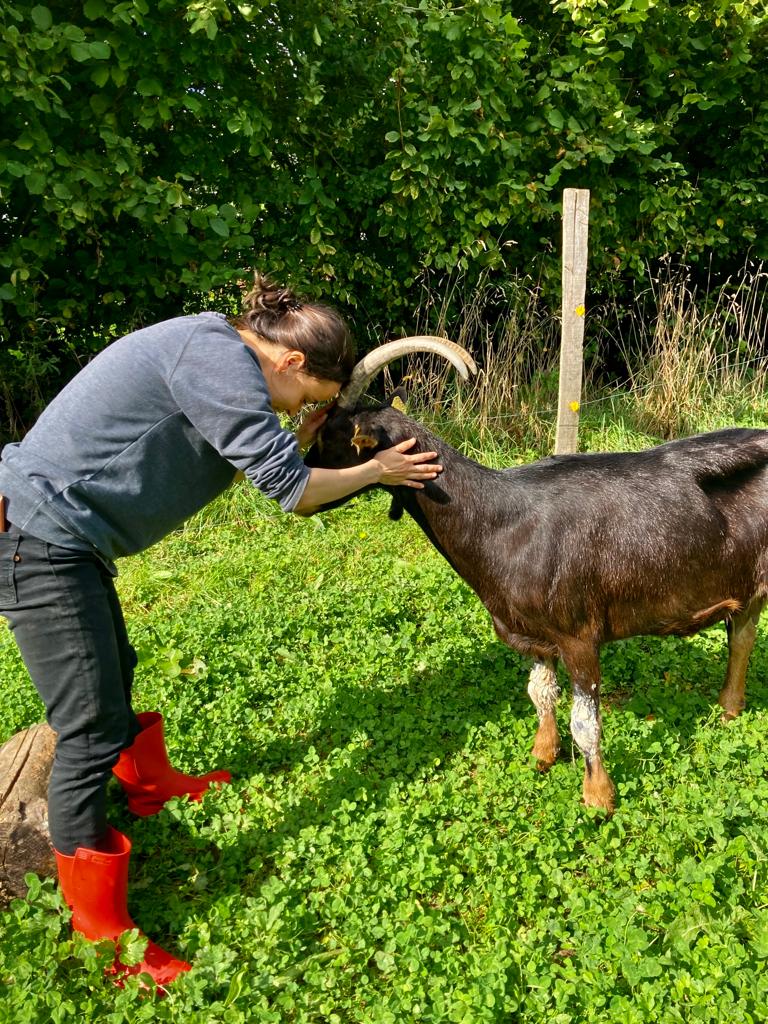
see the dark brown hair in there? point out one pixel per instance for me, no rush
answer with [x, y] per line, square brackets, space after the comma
[275, 313]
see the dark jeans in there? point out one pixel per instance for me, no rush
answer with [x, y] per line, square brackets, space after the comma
[65, 615]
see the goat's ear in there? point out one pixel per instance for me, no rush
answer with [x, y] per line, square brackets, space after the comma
[361, 440]
[399, 400]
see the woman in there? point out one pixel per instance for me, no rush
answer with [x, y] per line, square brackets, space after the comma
[151, 430]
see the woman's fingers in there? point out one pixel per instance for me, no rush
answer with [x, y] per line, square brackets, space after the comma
[403, 446]
[401, 467]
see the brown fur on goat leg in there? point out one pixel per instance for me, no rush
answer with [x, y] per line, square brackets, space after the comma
[742, 630]
[544, 693]
[582, 661]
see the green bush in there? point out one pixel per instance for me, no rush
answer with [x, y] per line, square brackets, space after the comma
[354, 153]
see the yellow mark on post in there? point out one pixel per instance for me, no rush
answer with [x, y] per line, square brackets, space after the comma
[574, 406]
[580, 310]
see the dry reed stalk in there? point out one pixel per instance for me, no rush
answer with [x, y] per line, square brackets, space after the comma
[690, 357]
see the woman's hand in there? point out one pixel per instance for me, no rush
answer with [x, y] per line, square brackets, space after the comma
[306, 432]
[397, 468]
[392, 467]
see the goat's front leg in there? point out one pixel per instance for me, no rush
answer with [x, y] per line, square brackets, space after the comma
[544, 692]
[584, 668]
[742, 630]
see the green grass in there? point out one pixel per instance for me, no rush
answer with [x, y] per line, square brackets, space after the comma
[386, 852]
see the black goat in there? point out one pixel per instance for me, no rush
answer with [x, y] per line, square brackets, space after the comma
[577, 550]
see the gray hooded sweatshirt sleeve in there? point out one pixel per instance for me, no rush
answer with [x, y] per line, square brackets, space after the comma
[145, 435]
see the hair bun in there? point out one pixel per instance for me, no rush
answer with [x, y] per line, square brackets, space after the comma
[269, 298]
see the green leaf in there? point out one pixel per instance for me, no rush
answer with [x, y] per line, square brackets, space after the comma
[94, 9]
[384, 961]
[220, 226]
[73, 33]
[100, 50]
[100, 77]
[81, 52]
[36, 182]
[42, 17]
[149, 87]
[100, 103]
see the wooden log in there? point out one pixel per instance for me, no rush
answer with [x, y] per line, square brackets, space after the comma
[25, 843]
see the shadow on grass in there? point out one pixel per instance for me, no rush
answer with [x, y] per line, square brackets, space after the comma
[395, 735]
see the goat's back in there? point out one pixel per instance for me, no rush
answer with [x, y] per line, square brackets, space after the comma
[660, 541]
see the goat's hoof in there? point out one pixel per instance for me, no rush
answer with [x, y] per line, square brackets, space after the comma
[729, 713]
[546, 750]
[606, 808]
[545, 758]
[601, 797]
[606, 812]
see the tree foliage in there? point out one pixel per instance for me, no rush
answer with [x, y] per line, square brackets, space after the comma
[153, 152]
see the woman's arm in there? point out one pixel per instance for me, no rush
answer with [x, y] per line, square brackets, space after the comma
[391, 467]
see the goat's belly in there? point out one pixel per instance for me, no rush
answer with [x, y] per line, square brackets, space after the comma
[517, 636]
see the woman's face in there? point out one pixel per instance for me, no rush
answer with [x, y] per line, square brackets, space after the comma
[291, 388]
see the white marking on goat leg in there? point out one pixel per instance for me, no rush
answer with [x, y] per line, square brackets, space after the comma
[543, 689]
[585, 725]
[599, 791]
[544, 692]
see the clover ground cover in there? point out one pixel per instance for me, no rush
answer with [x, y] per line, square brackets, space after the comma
[387, 852]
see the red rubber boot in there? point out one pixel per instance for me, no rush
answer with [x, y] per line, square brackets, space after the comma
[95, 887]
[146, 775]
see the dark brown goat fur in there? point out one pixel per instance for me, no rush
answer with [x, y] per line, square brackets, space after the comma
[577, 550]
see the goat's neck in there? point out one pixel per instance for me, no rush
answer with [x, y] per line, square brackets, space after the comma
[451, 508]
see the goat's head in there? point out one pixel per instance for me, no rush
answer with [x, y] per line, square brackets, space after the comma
[354, 432]
[351, 436]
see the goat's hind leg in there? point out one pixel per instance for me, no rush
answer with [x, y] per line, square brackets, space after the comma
[742, 630]
[544, 692]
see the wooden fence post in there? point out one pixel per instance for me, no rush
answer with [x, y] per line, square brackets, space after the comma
[575, 249]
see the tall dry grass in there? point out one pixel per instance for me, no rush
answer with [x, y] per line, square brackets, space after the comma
[700, 356]
[690, 359]
[514, 340]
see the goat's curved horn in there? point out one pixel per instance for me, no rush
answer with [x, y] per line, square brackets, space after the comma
[367, 368]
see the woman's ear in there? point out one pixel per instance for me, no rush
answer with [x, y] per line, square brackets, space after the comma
[290, 359]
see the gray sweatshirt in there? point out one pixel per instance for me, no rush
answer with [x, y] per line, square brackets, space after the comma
[145, 435]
